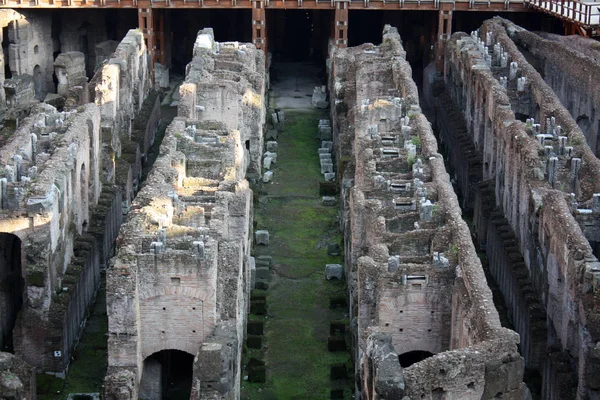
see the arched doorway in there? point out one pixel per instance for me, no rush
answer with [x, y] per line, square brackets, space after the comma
[167, 374]
[37, 82]
[411, 357]
[11, 287]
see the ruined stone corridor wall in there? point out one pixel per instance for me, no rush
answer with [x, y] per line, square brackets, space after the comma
[181, 278]
[524, 216]
[414, 277]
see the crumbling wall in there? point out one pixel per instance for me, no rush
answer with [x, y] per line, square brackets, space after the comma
[31, 49]
[181, 278]
[119, 88]
[570, 69]
[528, 170]
[52, 199]
[226, 82]
[414, 278]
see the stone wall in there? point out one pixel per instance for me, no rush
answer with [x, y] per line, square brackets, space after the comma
[524, 212]
[52, 201]
[119, 88]
[181, 279]
[229, 87]
[571, 68]
[414, 277]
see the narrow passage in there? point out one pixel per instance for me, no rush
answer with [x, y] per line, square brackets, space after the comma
[89, 359]
[304, 314]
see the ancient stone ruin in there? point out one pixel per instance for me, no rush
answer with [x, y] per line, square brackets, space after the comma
[441, 240]
[181, 277]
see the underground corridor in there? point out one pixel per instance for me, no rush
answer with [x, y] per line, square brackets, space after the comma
[11, 287]
[168, 372]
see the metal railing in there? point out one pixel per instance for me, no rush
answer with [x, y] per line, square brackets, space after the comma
[586, 14]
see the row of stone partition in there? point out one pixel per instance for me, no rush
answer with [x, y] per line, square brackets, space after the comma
[182, 276]
[415, 281]
[532, 197]
[66, 182]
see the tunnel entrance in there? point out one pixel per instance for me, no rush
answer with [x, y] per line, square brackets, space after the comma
[412, 357]
[11, 287]
[182, 27]
[299, 35]
[167, 375]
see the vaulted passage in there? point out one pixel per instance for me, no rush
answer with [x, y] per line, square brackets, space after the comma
[411, 357]
[167, 375]
[11, 287]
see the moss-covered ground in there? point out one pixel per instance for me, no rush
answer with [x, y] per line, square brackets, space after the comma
[88, 365]
[298, 297]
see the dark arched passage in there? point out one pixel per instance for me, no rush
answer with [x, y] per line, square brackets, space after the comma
[168, 374]
[11, 287]
[411, 357]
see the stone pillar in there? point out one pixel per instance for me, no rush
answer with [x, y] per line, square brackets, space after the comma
[341, 24]
[259, 26]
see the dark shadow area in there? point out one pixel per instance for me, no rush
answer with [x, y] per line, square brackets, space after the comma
[467, 21]
[11, 287]
[183, 27]
[417, 30]
[411, 357]
[299, 35]
[168, 372]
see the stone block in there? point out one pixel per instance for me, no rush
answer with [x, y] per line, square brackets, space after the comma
[264, 261]
[267, 177]
[327, 144]
[334, 271]
[272, 146]
[254, 342]
[272, 134]
[256, 327]
[262, 237]
[329, 176]
[326, 167]
[328, 201]
[256, 371]
[324, 150]
[333, 249]
[262, 274]
[272, 156]
[258, 307]
[267, 162]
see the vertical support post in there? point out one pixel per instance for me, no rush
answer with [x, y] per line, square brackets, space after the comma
[159, 36]
[146, 25]
[259, 25]
[444, 32]
[341, 24]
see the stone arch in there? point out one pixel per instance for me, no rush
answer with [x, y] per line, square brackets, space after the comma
[175, 317]
[411, 357]
[165, 371]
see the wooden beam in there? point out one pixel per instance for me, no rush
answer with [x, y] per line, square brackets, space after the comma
[444, 32]
[146, 25]
[259, 25]
[341, 24]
